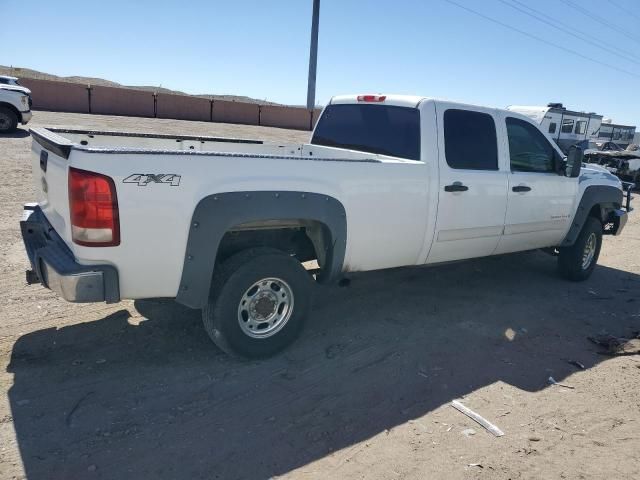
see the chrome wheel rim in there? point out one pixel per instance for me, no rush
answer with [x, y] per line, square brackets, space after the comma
[265, 307]
[589, 251]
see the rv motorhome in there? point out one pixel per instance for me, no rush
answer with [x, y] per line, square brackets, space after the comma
[621, 135]
[566, 127]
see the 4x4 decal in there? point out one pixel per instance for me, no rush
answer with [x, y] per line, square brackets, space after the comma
[144, 179]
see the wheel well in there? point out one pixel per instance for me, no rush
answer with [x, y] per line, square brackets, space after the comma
[305, 240]
[13, 109]
[602, 213]
[596, 212]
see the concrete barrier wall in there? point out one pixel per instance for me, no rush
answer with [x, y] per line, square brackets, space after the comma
[122, 101]
[183, 107]
[235, 112]
[285, 117]
[58, 96]
[75, 97]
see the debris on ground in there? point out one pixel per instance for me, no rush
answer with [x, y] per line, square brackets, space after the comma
[478, 418]
[552, 381]
[596, 296]
[575, 363]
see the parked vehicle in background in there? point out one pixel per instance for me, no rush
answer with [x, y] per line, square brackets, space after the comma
[13, 83]
[15, 108]
[608, 146]
[225, 225]
[622, 135]
[8, 80]
[566, 127]
[624, 163]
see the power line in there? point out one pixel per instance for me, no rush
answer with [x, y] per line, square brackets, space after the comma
[628, 11]
[601, 20]
[568, 29]
[539, 39]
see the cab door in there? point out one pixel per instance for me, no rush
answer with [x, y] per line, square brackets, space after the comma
[540, 204]
[472, 197]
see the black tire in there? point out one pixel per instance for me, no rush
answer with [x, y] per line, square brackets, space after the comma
[8, 120]
[571, 260]
[233, 281]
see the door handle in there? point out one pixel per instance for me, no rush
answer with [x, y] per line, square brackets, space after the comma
[456, 187]
[521, 188]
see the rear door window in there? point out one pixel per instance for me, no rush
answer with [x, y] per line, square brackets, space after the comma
[382, 129]
[470, 140]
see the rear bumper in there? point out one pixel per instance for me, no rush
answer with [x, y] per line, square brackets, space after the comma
[54, 266]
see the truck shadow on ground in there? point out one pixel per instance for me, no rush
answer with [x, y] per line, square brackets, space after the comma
[151, 397]
[18, 133]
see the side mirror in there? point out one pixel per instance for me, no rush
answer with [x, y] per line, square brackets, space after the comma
[574, 161]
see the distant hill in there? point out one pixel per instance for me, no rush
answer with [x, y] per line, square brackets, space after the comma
[29, 73]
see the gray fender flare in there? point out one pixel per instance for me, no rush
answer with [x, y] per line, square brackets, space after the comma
[604, 195]
[216, 214]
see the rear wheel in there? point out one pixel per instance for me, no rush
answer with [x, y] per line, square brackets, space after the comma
[8, 120]
[260, 300]
[578, 261]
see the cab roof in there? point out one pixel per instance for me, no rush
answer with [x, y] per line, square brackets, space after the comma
[412, 101]
[395, 100]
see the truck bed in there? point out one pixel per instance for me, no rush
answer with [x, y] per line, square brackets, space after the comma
[124, 142]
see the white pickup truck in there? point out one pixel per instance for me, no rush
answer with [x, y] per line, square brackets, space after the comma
[15, 106]
[225, 225]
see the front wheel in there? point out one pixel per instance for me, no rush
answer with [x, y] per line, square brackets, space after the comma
[577, 262]
[260, 300]
[8, 120]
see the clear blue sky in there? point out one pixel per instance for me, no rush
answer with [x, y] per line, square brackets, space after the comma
[260, 48]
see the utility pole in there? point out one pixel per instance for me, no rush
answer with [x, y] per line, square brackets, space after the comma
[313, 56]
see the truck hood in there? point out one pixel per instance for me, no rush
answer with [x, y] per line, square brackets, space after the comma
[593, 167]
[598, 175]
[16, 88]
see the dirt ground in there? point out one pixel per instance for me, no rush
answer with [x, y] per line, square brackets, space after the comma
[136, 390]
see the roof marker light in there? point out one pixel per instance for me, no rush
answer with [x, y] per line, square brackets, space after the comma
[372, 98]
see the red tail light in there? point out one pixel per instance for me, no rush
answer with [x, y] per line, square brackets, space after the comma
[372, 98]
[94, 209]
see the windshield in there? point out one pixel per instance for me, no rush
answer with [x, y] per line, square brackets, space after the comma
[381, 129]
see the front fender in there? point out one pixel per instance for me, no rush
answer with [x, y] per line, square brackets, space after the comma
[603, 195]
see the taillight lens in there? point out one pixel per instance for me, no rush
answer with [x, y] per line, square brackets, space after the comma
[94, 209]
